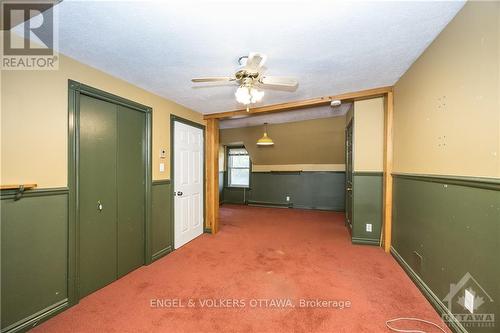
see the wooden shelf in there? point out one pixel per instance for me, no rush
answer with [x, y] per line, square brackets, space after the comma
[18, 186]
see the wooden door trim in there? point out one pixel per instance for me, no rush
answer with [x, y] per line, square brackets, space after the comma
[388, 167]
[173, 119]
[212, 171]
[75, 89]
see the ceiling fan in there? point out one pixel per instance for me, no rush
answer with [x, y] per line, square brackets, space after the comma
[250, 77]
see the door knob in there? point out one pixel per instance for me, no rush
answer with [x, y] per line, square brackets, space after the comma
[179, 193]
[99, 205]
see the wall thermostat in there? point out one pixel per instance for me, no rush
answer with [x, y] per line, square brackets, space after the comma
[163, 153]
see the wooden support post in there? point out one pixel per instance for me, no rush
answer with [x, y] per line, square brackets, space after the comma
[212, 175]
[388, 153]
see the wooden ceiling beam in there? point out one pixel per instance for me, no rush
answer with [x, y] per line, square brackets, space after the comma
[307, 103]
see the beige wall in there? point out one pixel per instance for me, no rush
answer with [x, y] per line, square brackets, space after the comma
[34, 122]
[447, 105]
[369, 135]
[298, 145]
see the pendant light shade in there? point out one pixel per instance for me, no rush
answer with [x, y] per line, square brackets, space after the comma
[265, 140]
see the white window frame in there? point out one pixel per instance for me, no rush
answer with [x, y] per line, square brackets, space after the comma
[229, 167]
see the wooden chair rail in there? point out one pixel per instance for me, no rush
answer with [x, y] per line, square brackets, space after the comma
[18, 186]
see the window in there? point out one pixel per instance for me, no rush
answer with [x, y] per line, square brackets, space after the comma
[238, 164]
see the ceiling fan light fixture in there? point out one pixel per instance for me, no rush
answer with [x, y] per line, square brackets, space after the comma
[242, 95]
[265, 140]
[257, 95]
[248, 77]
[246, 94]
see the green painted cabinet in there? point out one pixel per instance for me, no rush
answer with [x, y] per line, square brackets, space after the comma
[131, 189]
[98, 204]
[111, 192]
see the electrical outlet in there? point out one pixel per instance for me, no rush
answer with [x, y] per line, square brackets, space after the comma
[469, 301]
[369, 227]
[287, 198]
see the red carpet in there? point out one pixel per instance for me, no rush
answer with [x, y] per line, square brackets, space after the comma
[259, 256]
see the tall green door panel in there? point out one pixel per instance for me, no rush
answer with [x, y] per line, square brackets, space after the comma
[112, 192]
[98, 186]
[131, 193]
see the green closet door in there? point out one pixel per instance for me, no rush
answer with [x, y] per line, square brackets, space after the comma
[131, 190]
[98, 163]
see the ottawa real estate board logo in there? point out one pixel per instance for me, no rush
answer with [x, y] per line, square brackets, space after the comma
[470, 304]
[29, 35]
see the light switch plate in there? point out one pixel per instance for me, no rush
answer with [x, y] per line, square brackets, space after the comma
[369, 227]
[469, 301]
[287, 198]
[162, 167]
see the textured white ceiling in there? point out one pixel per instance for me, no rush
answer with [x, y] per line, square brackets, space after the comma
[287, 117]
[330, 47]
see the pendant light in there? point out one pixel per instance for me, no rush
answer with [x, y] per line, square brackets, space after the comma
[265, 140]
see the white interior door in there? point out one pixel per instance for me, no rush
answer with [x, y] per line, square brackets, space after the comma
[188, 183]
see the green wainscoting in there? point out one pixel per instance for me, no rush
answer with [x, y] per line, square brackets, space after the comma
[307, 190]
[367, 207]
[235, 195]
[162, 236]
[443, 228]
[34, 257]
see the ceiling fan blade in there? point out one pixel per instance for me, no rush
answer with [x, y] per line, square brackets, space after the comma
[213, 79]
[255, 61]
[279, 81]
